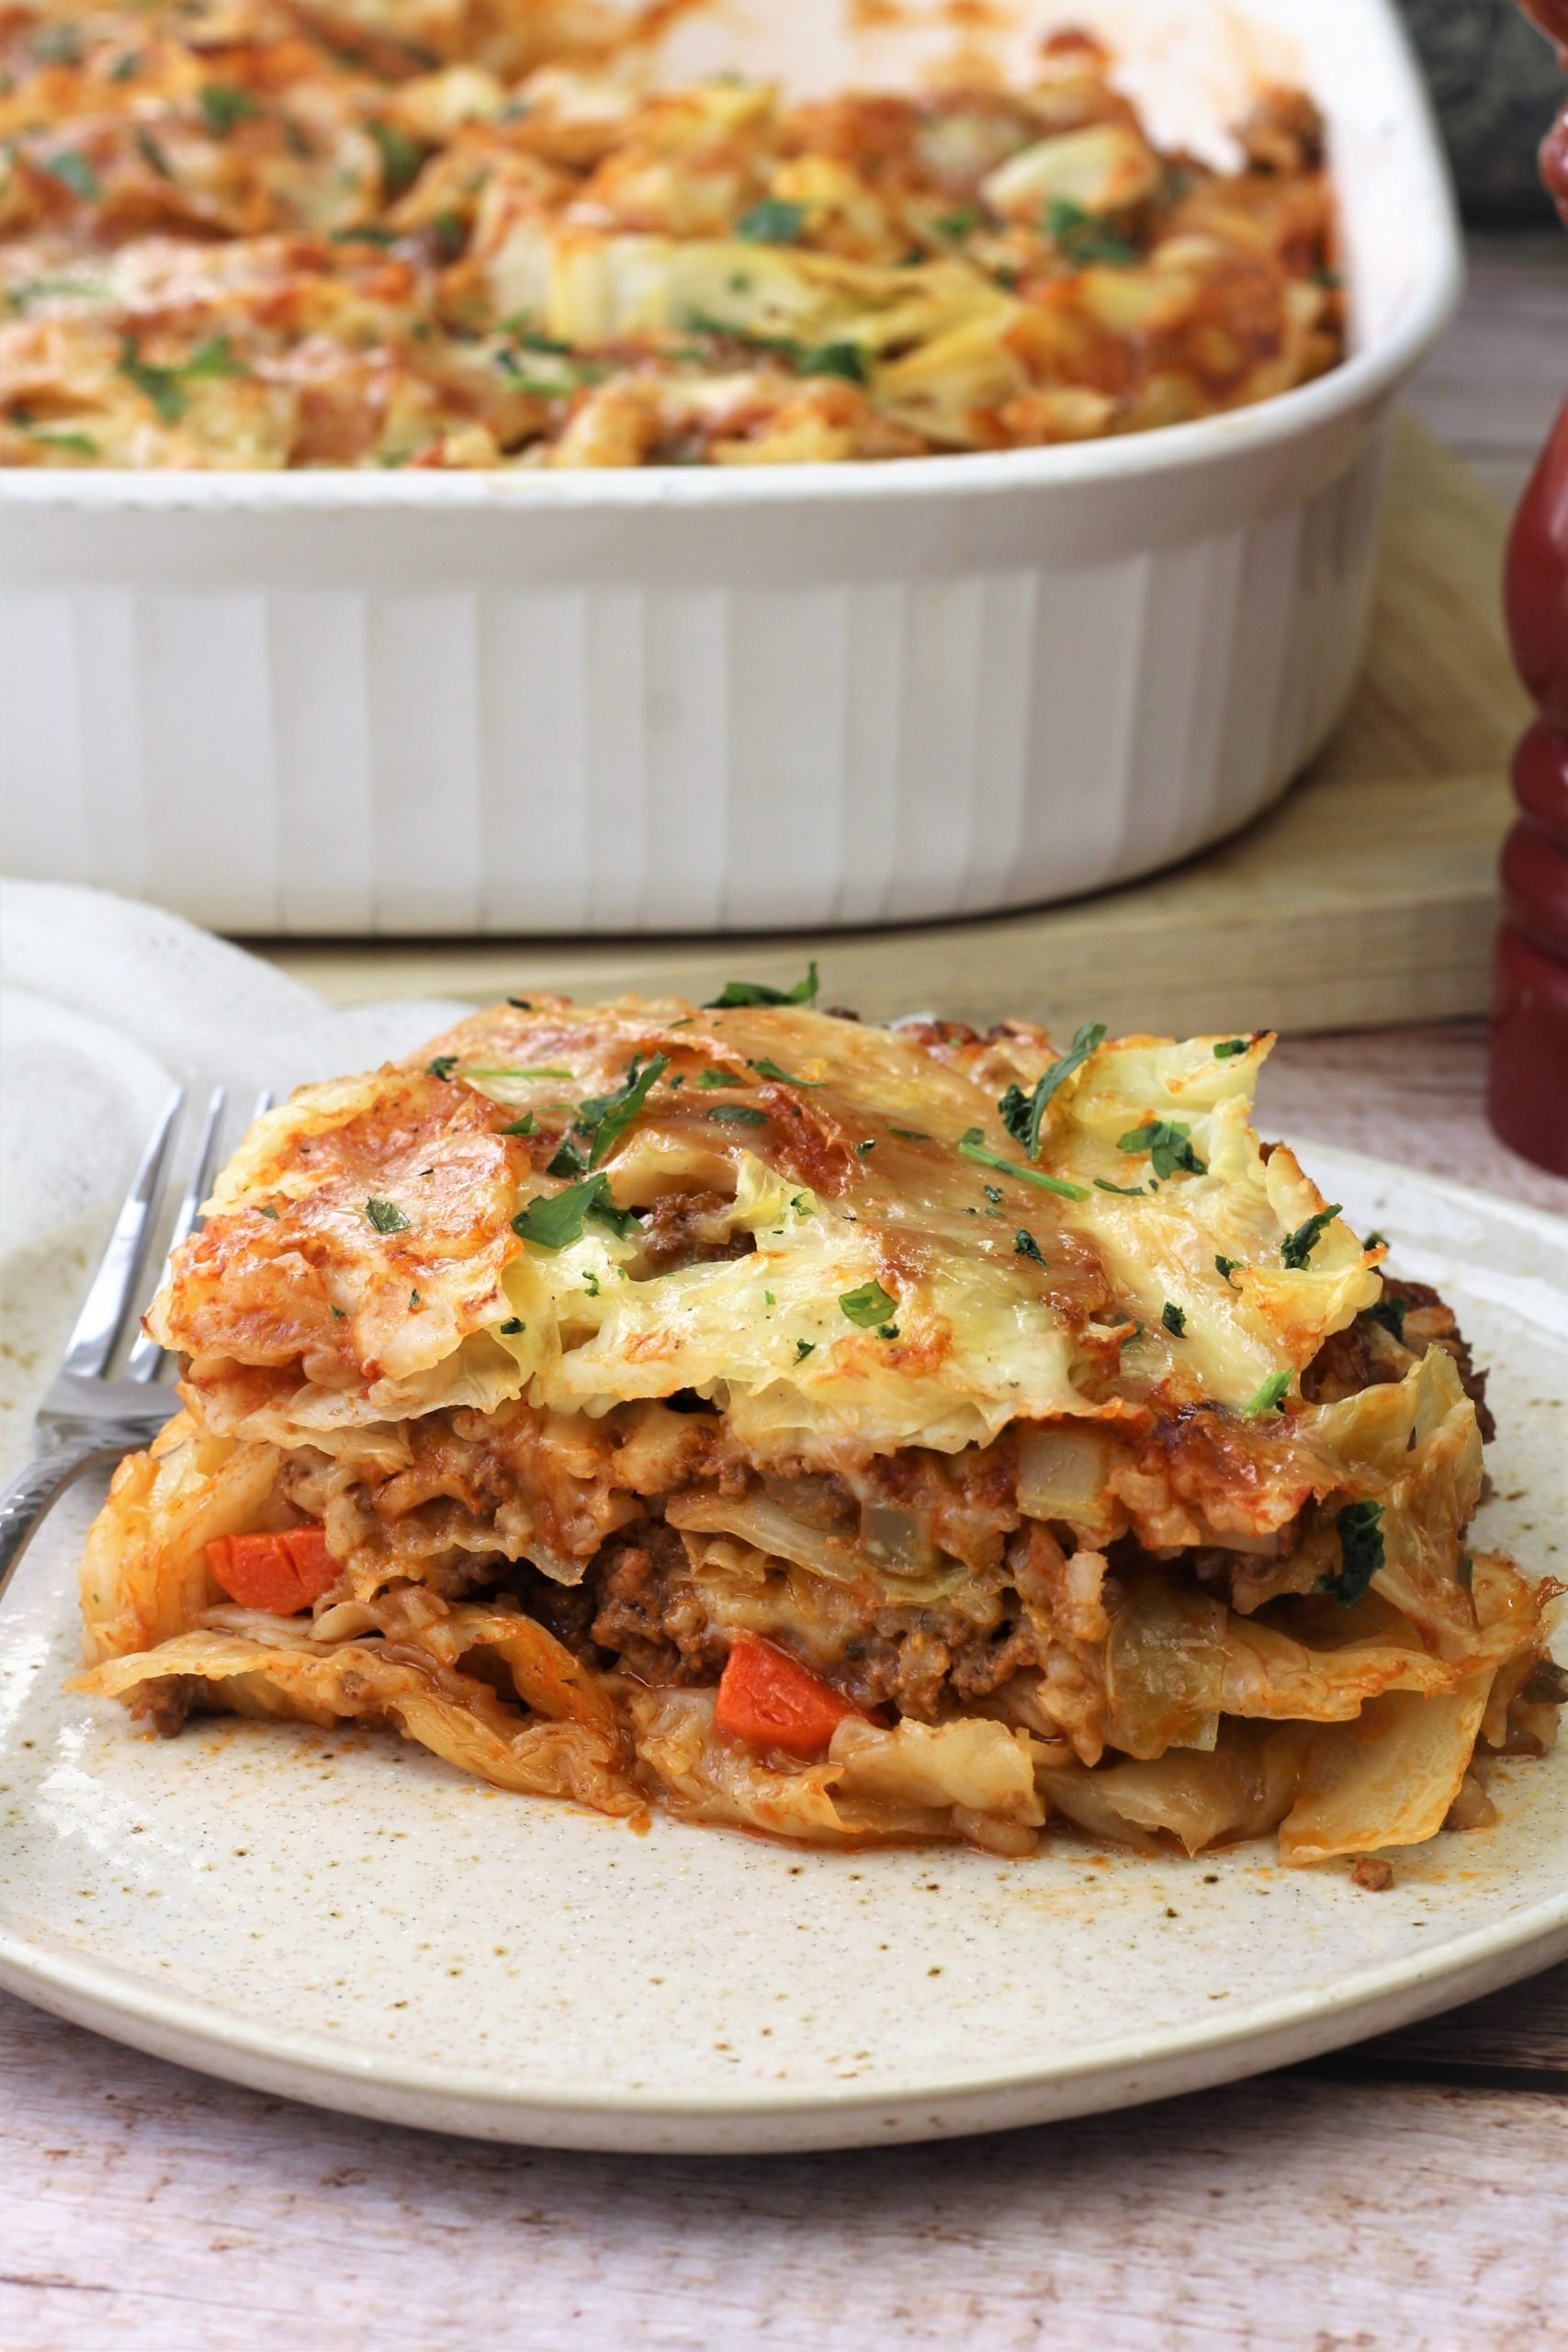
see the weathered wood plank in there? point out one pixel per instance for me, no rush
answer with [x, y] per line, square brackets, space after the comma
[148, 2208]
[1521, 2032]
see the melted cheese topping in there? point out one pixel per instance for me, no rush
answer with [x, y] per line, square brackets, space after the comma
[381, 232]
[891, 1285]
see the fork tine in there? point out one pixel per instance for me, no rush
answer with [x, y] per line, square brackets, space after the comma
[97, 1326]
[146, 1358]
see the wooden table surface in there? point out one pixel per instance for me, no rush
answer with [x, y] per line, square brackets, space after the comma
[1412, 2192]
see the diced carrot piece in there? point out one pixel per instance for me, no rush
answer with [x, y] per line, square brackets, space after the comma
[281, 1573]
[766, 1698]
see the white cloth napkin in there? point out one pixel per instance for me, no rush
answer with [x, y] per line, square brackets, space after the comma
[107, 1005]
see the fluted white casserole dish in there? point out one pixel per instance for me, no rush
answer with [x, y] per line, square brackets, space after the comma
[706, 699]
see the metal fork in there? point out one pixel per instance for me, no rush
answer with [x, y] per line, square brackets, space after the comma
[87, 1418]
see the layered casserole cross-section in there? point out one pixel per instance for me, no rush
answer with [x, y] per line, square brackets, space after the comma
[837, 1432]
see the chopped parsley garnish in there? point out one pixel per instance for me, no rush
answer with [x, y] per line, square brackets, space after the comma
[150, 153]
[555, 1219]
[775, 222]
[1375, 1240]
[442, 1067]
[76, 445]
[1298, 1246]
[1465, 1572]
[165, 387]
[74, 172]
[1128, 1192]
[710, 1078]
[993, 1194]
[1174, 1317]
[415, 1301]
[1361, 1553]
[526, 1125]
[737, 993]
[505, 1069]
[910, 1134]
[862, 1148]
[1270, 1396]
[224, 107]
[1168, 1144]
[401, 156]
[737, 1114]
[1025, 1246]
[765, 1068]
[1231, 1046]
[524, 1003]
[845, 359]
[678, 1079]
[768, 1298]
[58, 45]
[1390, 1313]
[868, 1306]
[511, 1328]
[386, 1217]
[273, 1213]
[1085, 237]
[804, 1348]
[591, 1284]
[963, 223]
[1226, 1267]
[611, 1115]
[1023, 1114]
[970, 1147]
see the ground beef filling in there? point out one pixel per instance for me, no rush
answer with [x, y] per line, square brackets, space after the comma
[648, 1619]
[691, 1229]
[1380, 1346]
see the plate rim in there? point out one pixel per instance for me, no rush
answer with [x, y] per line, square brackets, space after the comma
[436, 2094]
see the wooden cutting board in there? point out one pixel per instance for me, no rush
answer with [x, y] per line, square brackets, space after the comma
[1366, 898]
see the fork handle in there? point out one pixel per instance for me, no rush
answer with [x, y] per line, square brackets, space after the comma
[28, 1498]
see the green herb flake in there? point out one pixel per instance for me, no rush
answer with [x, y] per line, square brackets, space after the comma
[962, 222]
[910, 1134]
[970, 1147]
[1025, 1246]
[1174, 1317]
[265, 1211]
[151, 154]
[1086, 238]
[1375, 1240]
[737, 1114]
[775, 222]
[1361, 1553]
[868, 1306]
[887, 1330]
[844, 359]
[74, 172]
[739, 993]
[804, 1348]
[1390, 1313]
[1128, 1192]
[526, 1125]
[75, 444]
[338, 1316]
[862, 1148]
[708, 1079]
[555, 1219]
[1298, 1246]
[386, 1217]
[1230, 1048]
[1226, 1267]
[522, 1003]
[442, 1067]
[1270, 1398]
[1169, 1143]
[768, 1298]
[415, 1301]
[513, 1326]
[1022, 1114]
[765, 1068]
[613, 1114]
[224, 107]
[401, 157]
[591, 1284]
[512, 1070]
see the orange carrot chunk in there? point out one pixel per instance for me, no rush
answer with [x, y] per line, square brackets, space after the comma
[281, 1573]
[766, 1698]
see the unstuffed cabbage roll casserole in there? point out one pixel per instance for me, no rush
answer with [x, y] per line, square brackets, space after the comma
[837, 1431]
[250, 234]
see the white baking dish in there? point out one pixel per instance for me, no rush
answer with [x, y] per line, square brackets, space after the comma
[738, 699]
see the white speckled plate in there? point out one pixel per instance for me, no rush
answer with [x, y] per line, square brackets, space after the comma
[344, 1920]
